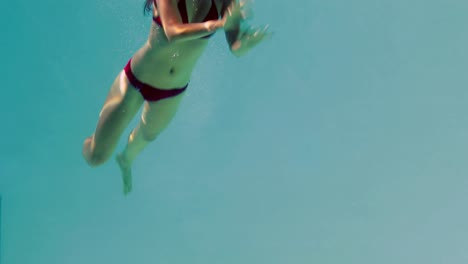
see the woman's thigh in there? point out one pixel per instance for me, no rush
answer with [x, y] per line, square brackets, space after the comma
[157, 115]
[121, 105]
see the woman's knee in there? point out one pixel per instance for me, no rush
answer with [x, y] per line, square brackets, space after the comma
[149, 129]
[149, 135]
[96, 160]
[92, 157]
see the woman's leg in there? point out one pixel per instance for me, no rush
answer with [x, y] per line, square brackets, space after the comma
[121, 105]
[155, 118]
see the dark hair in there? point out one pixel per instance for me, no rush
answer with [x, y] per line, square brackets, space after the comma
[147, 6]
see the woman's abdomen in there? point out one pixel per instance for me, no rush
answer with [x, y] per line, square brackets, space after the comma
[167, 65]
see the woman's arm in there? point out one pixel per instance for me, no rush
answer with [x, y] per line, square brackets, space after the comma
[176, 30]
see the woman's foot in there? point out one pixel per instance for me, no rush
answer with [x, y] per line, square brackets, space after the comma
[126, 170]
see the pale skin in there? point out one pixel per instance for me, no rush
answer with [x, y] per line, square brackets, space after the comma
[165, 61]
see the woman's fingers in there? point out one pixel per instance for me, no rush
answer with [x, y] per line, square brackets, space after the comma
[258, 32]
[254, 35]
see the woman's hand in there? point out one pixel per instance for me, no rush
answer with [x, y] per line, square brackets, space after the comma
[251, 37]
[241, 36]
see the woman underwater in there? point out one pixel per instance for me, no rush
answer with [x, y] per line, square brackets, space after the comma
[158, 73]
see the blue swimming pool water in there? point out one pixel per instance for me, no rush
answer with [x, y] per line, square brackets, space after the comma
[342, 140]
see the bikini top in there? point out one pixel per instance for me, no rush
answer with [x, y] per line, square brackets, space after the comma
[212, 14]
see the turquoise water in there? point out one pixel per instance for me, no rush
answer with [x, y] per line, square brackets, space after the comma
[342, 140]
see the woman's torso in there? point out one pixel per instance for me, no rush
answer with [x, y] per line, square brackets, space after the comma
[169, 65]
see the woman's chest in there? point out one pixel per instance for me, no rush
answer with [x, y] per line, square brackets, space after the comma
[201, 10]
